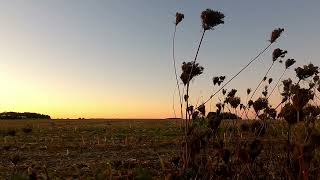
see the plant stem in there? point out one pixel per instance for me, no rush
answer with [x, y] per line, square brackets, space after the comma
[261, 82]
[255, 58]
[277, 83]
[175, 68]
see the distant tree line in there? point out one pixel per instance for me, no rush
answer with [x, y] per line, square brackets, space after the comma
[24, 115]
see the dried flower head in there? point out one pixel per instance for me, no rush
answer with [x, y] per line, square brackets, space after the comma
[211, 18]
[195, 115]
[307, 71]
[276, 34]
[224, 91]
[316, 79]
[234, 101]
[301, 97]
[250, 103]
[179, 17]
[186, 71]
[311, 85]
[202, 109]
[278, 53]
[218, 80]
[219, 106]
[287, 84]
[248, 91]
[289, 63]
[215, 80]
[264, 78]
[265, 93]
[271, 112]
[260, 104]
[190, 109]
[270, 80]
[186, 97]
[289, 113]
[232, 93]
[311, 111]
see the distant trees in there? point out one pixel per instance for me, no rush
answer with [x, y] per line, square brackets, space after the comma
[24, 115]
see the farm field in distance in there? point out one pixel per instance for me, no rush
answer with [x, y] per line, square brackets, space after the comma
[86, 148]
[115, 149]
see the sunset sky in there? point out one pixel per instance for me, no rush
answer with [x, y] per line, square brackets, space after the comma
[113, 58]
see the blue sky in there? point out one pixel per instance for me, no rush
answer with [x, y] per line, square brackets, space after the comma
[112, 58]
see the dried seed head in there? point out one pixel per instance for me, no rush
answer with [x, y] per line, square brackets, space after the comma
[211, 18]
[250, 103]
[306, 71]
[270, 80]
[264, 78]
[248, 91]
[271, 112]
[241, 106]
[311, 85]
[190, 109]
[289, 63]
[186, 71]
[219, 106]
[179, 17]
[224, 91]
[202, 109]
[276, 34]
[215, 80]
[195, 115]
[278, 53]
[260, 104]
[234, 101]
[311, 111]
[232, 93]
[316, 79]
[289, 113]
[301, 97]
[186, 97]
[265, 93]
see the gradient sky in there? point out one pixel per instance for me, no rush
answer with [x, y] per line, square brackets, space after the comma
[112, 58]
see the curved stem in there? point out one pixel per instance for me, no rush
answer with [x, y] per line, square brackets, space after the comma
[261, 81]
[260, 84]
[193, 64]
[255, 58]
[175, 68]
[277, 83]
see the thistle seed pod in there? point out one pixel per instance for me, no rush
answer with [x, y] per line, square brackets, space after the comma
[215, 80]
[224, 91]
[278, 53]
[289, 63]
[276, 34]
[316, 79]
[202, 109]
[211, 18]
[232, 93]
[248, 91]
[179, 17]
